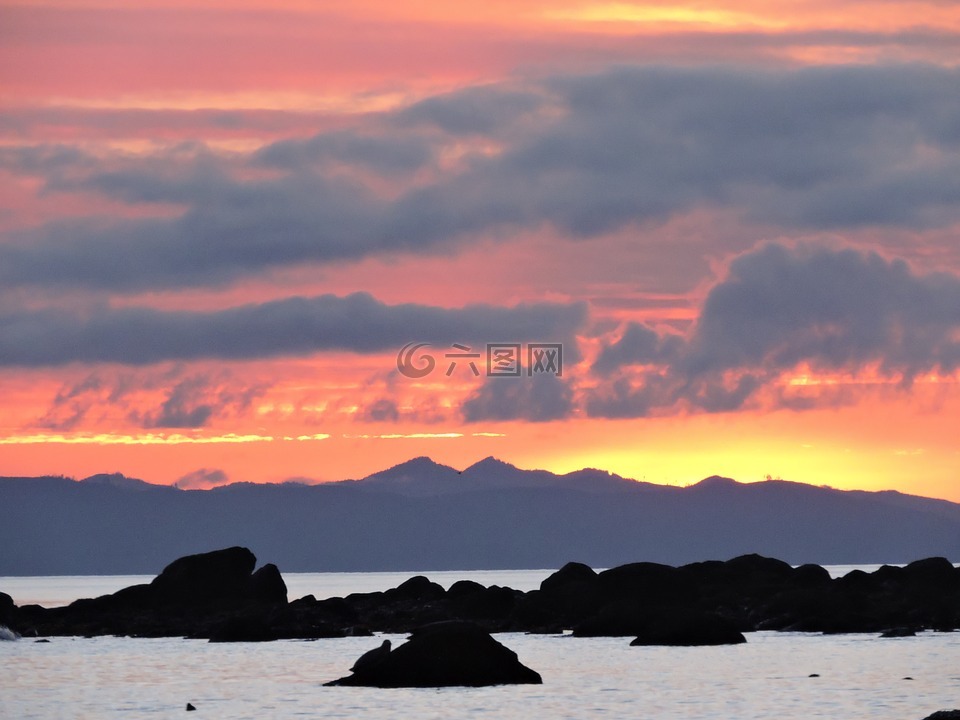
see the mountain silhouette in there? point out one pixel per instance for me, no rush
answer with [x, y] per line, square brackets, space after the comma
[422, 515]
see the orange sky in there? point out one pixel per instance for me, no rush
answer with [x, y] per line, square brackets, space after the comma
[172, 166]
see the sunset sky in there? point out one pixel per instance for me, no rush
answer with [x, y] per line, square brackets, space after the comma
[220, 223]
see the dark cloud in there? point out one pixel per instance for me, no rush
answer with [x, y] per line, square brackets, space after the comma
[472, 111]
[822, 147]
[183, 408]
[638, 345]
[191, 400]
[835, 309]
[539, 398]
[381, 154]
[293, 326]
[381, 410]
[72, 403]
[841, 311]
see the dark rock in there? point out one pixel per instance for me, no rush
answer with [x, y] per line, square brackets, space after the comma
[899, 632]
[464, 588]
[244, 629]
[568, 596]
[690, 631]
[190, 708]
[441, 655]
[644, 583]
[810, 576]
[944, 715]
[7, 609]
[206, 577]
[616, 619]
[572, 574]
[267, 586]
[372, 658]
[934, 572]
[493, 604]
[417, 588]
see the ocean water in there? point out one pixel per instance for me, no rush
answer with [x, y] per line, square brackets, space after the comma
[860, 676]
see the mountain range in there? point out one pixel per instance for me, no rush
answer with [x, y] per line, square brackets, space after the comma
[421, 515]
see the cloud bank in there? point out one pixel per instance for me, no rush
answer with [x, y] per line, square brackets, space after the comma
[820, 148]
[782, 308]
[295, 326]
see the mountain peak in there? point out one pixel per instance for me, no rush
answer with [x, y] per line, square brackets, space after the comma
[490, 464]
[716, 481]
[117, 480]
[419, 463]
[418, 476]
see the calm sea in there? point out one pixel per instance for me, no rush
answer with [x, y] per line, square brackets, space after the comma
[860, 676]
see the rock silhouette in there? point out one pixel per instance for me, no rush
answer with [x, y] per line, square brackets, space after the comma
[218, 596]
[441, 655]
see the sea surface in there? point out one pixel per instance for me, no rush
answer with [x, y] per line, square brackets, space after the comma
[857, 676]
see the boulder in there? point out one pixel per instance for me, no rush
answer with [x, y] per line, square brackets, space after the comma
[267, 586]
[689, 631]
[442, 654]
[206, 577]
[944, 715]
[7, 609]
[416, 589]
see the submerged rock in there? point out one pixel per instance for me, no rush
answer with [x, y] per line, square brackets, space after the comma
[441, 655]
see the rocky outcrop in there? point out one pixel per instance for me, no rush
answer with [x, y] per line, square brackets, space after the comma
[194, 596]
[441, 655]
[218, 595]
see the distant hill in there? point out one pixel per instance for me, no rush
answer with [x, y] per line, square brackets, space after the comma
[421, 515]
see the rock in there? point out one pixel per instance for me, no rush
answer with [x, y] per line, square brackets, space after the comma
[417, 588]
[691, 631]
[244, 629]
[206, 577]
[190, 708]
[464, 588]
[810, 576]
[215, 593]
[572, 574]
[441, 655]
[944, 715]
[267, 586]
[899, 632]
[933, 572]
[645, 583]
[370, 659]
[7, 609]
